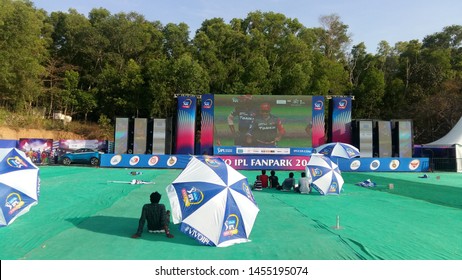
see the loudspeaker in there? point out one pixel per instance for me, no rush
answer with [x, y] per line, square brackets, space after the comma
[139, 139]
[121, 135]
[131, 135]
[159, 136]
[149, 135]
[330, 121]
[402, 138]
[169, 128]
[383, 139]
[363, 133]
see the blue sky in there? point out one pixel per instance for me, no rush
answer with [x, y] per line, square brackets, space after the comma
[369, 21]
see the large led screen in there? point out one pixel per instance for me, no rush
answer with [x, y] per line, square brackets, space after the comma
[405, 138]
[385, 142]
[159, 136]
[140, 137]
[366, 138]
[121, 136]
[263, 120]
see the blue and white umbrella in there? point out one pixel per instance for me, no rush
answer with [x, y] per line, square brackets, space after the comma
[213, 202]
[324, 174]
[338, 149]
[19, 185]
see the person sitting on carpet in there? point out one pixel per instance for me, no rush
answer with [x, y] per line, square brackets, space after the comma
[257, 186]
[274, 180]
[156, 215]
[288, 183]
[264, 179]
[304, 184]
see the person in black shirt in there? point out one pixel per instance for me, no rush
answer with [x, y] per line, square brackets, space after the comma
[266, 130]
[245, 114]
[274, 180]
[156, 215]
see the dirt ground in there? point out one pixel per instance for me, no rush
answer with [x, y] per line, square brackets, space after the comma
[17, 133]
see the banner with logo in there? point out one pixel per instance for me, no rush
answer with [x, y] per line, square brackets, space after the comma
[268, 162]
[144, 161]
[341, 119]
[318, 132]
[180, 161]
[186, 125]
[206, 133]
[384, 164]
[72, 145]
[4, 143]
[37, 149]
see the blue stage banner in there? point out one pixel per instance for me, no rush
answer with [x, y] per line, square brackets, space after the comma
[268, 162]
[180, 161]
[144, 161]
[4, 143]
[384, 164]
[318, 131]
[206, 137]
[341, 120]
[186, 125]
[294, 163]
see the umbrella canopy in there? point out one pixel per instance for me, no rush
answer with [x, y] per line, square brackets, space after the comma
[338, 149]
[213, 202]
[19, 185]
[325, 175]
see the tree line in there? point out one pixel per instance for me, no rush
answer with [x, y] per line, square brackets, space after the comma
[106, 65]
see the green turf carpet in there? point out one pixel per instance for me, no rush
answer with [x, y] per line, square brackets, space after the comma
[82, 215]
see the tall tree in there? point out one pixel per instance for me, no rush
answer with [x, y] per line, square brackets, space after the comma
[369, 95]
[22, 51]
[176, 40]
[216, 46]
[187, 76]
[334, 38]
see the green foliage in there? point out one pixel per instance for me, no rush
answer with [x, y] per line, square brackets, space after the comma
[4, 116]
[106, 127]
[22, 50]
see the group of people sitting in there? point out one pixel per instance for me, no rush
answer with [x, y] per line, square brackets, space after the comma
[289, 184]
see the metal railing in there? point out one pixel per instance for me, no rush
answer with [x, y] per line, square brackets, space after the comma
[444, 164]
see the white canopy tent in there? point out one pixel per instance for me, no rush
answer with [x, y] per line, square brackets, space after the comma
[453, 138]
